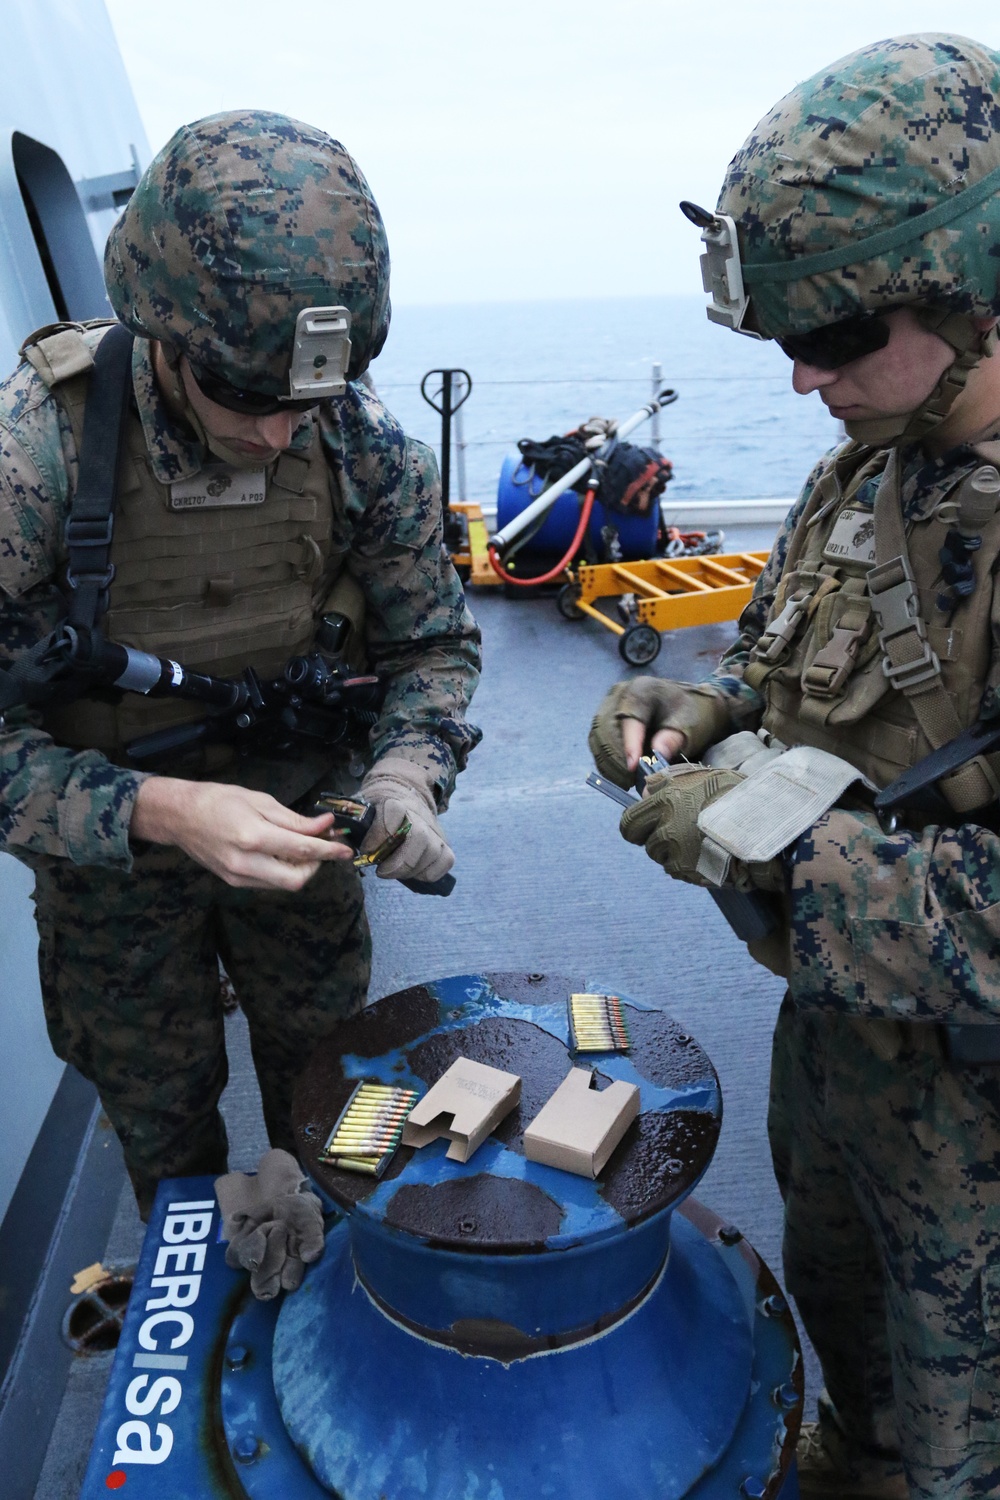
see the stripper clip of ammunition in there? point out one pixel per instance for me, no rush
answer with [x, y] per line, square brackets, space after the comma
[387, 847]
[369, 1128]
[597, 1024]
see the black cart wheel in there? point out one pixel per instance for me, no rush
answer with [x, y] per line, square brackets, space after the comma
[640, 645]
[566, 602]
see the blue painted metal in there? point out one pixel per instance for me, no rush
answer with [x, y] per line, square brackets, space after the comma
[153, 1441]
[251, 1420]
[516, 490]
[649, 1357]
[378, 1411]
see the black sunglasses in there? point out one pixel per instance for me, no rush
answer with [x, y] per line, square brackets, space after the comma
[838, 343]
[247, 403]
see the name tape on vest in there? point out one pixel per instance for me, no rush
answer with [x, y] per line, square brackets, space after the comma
[218, 485]
[852, 538]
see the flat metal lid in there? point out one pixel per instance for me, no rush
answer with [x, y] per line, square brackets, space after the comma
[499, 1201]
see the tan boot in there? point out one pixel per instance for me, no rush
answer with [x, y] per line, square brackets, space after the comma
[828, 1470]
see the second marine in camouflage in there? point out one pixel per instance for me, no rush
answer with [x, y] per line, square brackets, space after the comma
[251, 502]
[860, 226]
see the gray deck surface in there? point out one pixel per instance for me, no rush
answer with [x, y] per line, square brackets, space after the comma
[545, 883]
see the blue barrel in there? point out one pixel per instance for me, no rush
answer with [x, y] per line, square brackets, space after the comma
[519, 485]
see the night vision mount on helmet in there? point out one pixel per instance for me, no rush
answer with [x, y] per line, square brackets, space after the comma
[871, 186]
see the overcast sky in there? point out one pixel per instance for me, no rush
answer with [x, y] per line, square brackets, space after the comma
[520, 148]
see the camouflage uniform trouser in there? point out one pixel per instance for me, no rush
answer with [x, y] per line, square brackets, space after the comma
[130, 983]
[890, 1172]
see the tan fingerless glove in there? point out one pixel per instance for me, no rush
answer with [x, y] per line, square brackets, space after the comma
[699, 712]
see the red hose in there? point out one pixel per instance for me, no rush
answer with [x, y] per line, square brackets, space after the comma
[561, 566]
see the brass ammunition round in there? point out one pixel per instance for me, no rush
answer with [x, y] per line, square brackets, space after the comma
[350, 1148]
[382, 1101]
[349, 1165]
[387, 1107]
[365, 1134]
[377, 1094]
[375, 1115]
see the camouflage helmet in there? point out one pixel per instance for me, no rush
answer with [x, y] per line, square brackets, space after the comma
[241, 222]
[874, 184]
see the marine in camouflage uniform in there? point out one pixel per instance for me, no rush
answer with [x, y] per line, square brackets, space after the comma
[865, 211]
[240, 223]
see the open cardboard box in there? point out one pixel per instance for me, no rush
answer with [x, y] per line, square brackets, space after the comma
[580, 1126]
[465, 1104]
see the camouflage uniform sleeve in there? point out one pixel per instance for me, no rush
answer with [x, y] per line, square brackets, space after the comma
[903, 926]
[745, 704]
[53, 801]
[420, 633]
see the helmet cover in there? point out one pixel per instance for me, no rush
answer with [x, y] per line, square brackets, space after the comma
[240, 222]
[903, 128]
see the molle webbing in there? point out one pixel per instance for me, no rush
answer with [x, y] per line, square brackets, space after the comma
[909, 662]
[217, 588]
[828, 687]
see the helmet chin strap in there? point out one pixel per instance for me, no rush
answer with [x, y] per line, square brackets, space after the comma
[182, 405]
[970, 344]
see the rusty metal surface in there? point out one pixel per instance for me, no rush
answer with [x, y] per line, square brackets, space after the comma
[518, 1025]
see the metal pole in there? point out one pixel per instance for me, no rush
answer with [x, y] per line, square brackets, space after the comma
[657, 385]
[446, 438]
[460, 454]
[502, 539]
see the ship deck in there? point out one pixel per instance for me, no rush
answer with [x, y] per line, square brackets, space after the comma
[545, 883]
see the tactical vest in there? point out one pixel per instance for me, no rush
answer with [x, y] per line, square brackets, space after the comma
[827, 677]
[220, 572]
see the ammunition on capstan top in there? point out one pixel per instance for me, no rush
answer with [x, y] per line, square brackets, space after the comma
[369, 1128]
[378, 1111]
[597, 1024]
[360, 1135]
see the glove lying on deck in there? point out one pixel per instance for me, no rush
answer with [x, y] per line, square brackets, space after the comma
[273, 1222]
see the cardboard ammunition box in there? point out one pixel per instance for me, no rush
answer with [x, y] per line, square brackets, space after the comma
[465, 1104]
[580, 1126]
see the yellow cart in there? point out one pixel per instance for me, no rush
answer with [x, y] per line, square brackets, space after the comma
[472, 561]
[662, 593]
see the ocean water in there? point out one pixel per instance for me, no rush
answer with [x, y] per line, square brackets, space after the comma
[737, 430]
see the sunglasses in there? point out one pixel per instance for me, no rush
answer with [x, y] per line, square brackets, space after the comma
[247, 403]
[838, 343]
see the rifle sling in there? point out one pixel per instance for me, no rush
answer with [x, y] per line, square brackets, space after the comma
[90, 524]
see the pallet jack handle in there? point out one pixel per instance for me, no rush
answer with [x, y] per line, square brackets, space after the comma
[446, 411]
[502, 539]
